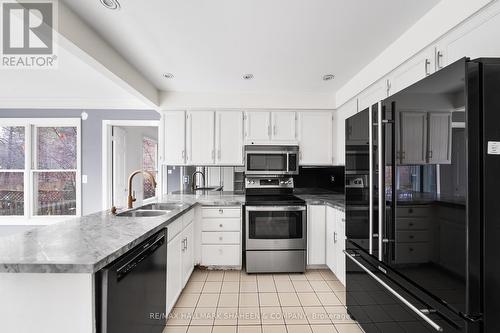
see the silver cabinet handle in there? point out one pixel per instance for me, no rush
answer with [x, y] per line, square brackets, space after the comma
[395, 293]
[183, 154]
[269, 130]
[219, 154]
[427, 63]
[221, 211]
[213, 154]
[274, 129]
[439, 57]
[220, 225]
[335, 237]
[220, 238]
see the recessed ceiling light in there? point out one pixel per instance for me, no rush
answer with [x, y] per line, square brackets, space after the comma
[328, 77]
[111, 4]
[247, 76]
[168, 76]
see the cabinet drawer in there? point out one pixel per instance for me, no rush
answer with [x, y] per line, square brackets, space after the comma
[174, 228]
[213, 237]
[412, 236]
[233, 224]
[219, 212]
[408, 253]
[220, 255]
[411, 211]
[187, 218]
[408, 223]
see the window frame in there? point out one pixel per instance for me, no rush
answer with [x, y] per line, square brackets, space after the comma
[30, 125]
[152, 199]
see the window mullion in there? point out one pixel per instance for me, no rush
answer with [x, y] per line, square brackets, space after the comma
[28, 187]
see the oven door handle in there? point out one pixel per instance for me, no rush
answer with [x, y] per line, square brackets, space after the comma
[276, 208]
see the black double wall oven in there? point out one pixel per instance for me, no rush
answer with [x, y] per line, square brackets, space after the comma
[422, 221]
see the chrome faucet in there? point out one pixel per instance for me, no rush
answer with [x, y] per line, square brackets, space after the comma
[193, 179]
[131, 195]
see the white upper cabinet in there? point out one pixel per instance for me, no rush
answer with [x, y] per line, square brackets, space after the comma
[315, 137]
[229, 138]
[200, 137]
[413, 138]
[439, 138]
[413, 70]
[257, 126]
[174, 125]
[284, 128]
[264, 127]
[474, 39]
[372, 95]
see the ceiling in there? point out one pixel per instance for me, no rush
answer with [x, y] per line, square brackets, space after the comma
[73, 84]
[288, 45]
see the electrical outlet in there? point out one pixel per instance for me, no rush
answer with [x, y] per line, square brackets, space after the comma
[186, 179]
[332, 179]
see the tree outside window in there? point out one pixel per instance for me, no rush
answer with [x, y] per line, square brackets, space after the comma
[149, 163]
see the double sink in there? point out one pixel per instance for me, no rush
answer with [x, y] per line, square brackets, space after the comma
[151, 210]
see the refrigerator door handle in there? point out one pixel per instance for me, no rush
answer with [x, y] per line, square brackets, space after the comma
[381, 194]
[396, 294]
[370, 181]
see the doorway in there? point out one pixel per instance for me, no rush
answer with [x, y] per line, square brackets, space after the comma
[129, 147]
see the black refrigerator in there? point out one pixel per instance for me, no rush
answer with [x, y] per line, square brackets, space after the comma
[422, 207]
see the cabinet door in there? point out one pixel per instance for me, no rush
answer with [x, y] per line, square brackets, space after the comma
[413, 70]
[439, 127]
[372, 95]
[257, 127]
[331, 254]
[175, 137]
[413, 137]
[174, 271]
[187, 253]
[200, 137]
[316, 138]
[340, 246]
[476, 38]
[284, 127]
[316, 218]
[229, 138]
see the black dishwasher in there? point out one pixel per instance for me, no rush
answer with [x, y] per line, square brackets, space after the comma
[131, 291]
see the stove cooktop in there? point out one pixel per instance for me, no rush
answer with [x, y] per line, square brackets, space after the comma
[273, 200]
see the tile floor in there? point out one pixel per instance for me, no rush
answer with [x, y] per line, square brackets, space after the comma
[236, 302]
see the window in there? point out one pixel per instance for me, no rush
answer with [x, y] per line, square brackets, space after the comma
[39, 168]
[149, 163]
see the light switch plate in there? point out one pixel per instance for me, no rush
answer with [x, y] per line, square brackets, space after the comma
[84, 179]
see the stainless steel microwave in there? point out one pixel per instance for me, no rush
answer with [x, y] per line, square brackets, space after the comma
[271, 160]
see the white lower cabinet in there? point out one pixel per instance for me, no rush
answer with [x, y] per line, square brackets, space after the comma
[316, 221]
[335, 242]
[221, 236]
[180, 256]
[174, 267]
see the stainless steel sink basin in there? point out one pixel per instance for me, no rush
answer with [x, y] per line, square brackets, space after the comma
[142, 213]
[215, 188]
[162, 206]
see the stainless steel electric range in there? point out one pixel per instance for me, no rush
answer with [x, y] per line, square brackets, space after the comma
[275, 226]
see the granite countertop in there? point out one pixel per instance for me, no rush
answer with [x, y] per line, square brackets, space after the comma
[322, 197]
[88, 243]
